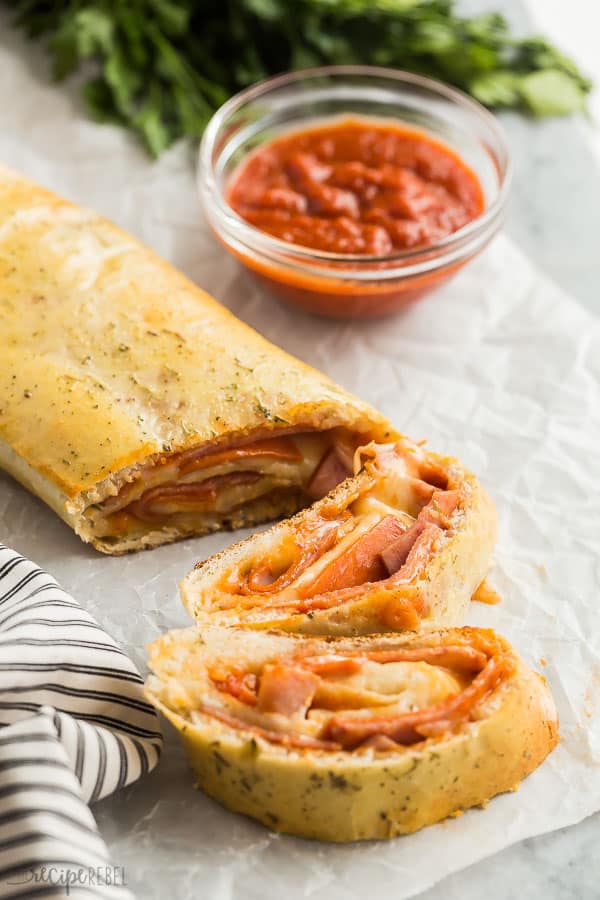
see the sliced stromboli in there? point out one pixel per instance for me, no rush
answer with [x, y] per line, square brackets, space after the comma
[344, 739]
[406, 541]
[135, 405]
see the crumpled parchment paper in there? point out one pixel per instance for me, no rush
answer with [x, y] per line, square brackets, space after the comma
[498, 367]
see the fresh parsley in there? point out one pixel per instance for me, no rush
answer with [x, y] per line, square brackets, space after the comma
[161, 67]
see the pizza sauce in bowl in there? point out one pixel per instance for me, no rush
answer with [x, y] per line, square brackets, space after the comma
[356, 186]
[353, 191]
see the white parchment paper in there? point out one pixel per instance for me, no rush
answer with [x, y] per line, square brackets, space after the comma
[499, 368]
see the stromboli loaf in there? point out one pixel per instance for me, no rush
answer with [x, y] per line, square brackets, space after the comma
[344, 739]
[405, 542]
[134, 404]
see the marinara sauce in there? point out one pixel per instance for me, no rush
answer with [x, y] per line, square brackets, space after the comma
[359, 187]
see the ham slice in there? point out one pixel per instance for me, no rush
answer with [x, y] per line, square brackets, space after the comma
[420, 553]
[331, 470]
[286, 690]
[440, 508]
[436, 513]
[395, 554]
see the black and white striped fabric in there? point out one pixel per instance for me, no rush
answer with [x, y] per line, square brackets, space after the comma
[74, 727]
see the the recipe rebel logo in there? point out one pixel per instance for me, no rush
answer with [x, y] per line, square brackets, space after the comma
[70, 877]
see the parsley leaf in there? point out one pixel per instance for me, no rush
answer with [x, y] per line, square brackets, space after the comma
[161, 67]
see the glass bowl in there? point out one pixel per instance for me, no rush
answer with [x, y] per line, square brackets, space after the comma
[340, 285]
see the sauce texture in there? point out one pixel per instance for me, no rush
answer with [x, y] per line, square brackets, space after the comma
[356, 187]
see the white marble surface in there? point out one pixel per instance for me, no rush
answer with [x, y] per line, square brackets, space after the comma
[564, 865]
[554, 208]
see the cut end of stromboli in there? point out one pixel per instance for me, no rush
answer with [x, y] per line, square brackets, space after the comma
[226, 485]
[345, 739]
[404, 542]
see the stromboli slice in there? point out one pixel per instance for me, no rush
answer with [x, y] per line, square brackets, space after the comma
[134, 404]
[404, 542]
[345, 739]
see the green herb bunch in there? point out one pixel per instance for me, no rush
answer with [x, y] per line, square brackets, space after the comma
[161, 67]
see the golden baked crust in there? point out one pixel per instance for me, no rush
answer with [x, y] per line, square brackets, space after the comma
[355, 794]
[111, 360]
[439, 594]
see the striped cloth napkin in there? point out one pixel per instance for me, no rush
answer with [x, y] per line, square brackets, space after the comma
[74, 727]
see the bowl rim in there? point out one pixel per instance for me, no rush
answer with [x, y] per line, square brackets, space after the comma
[253, 239]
